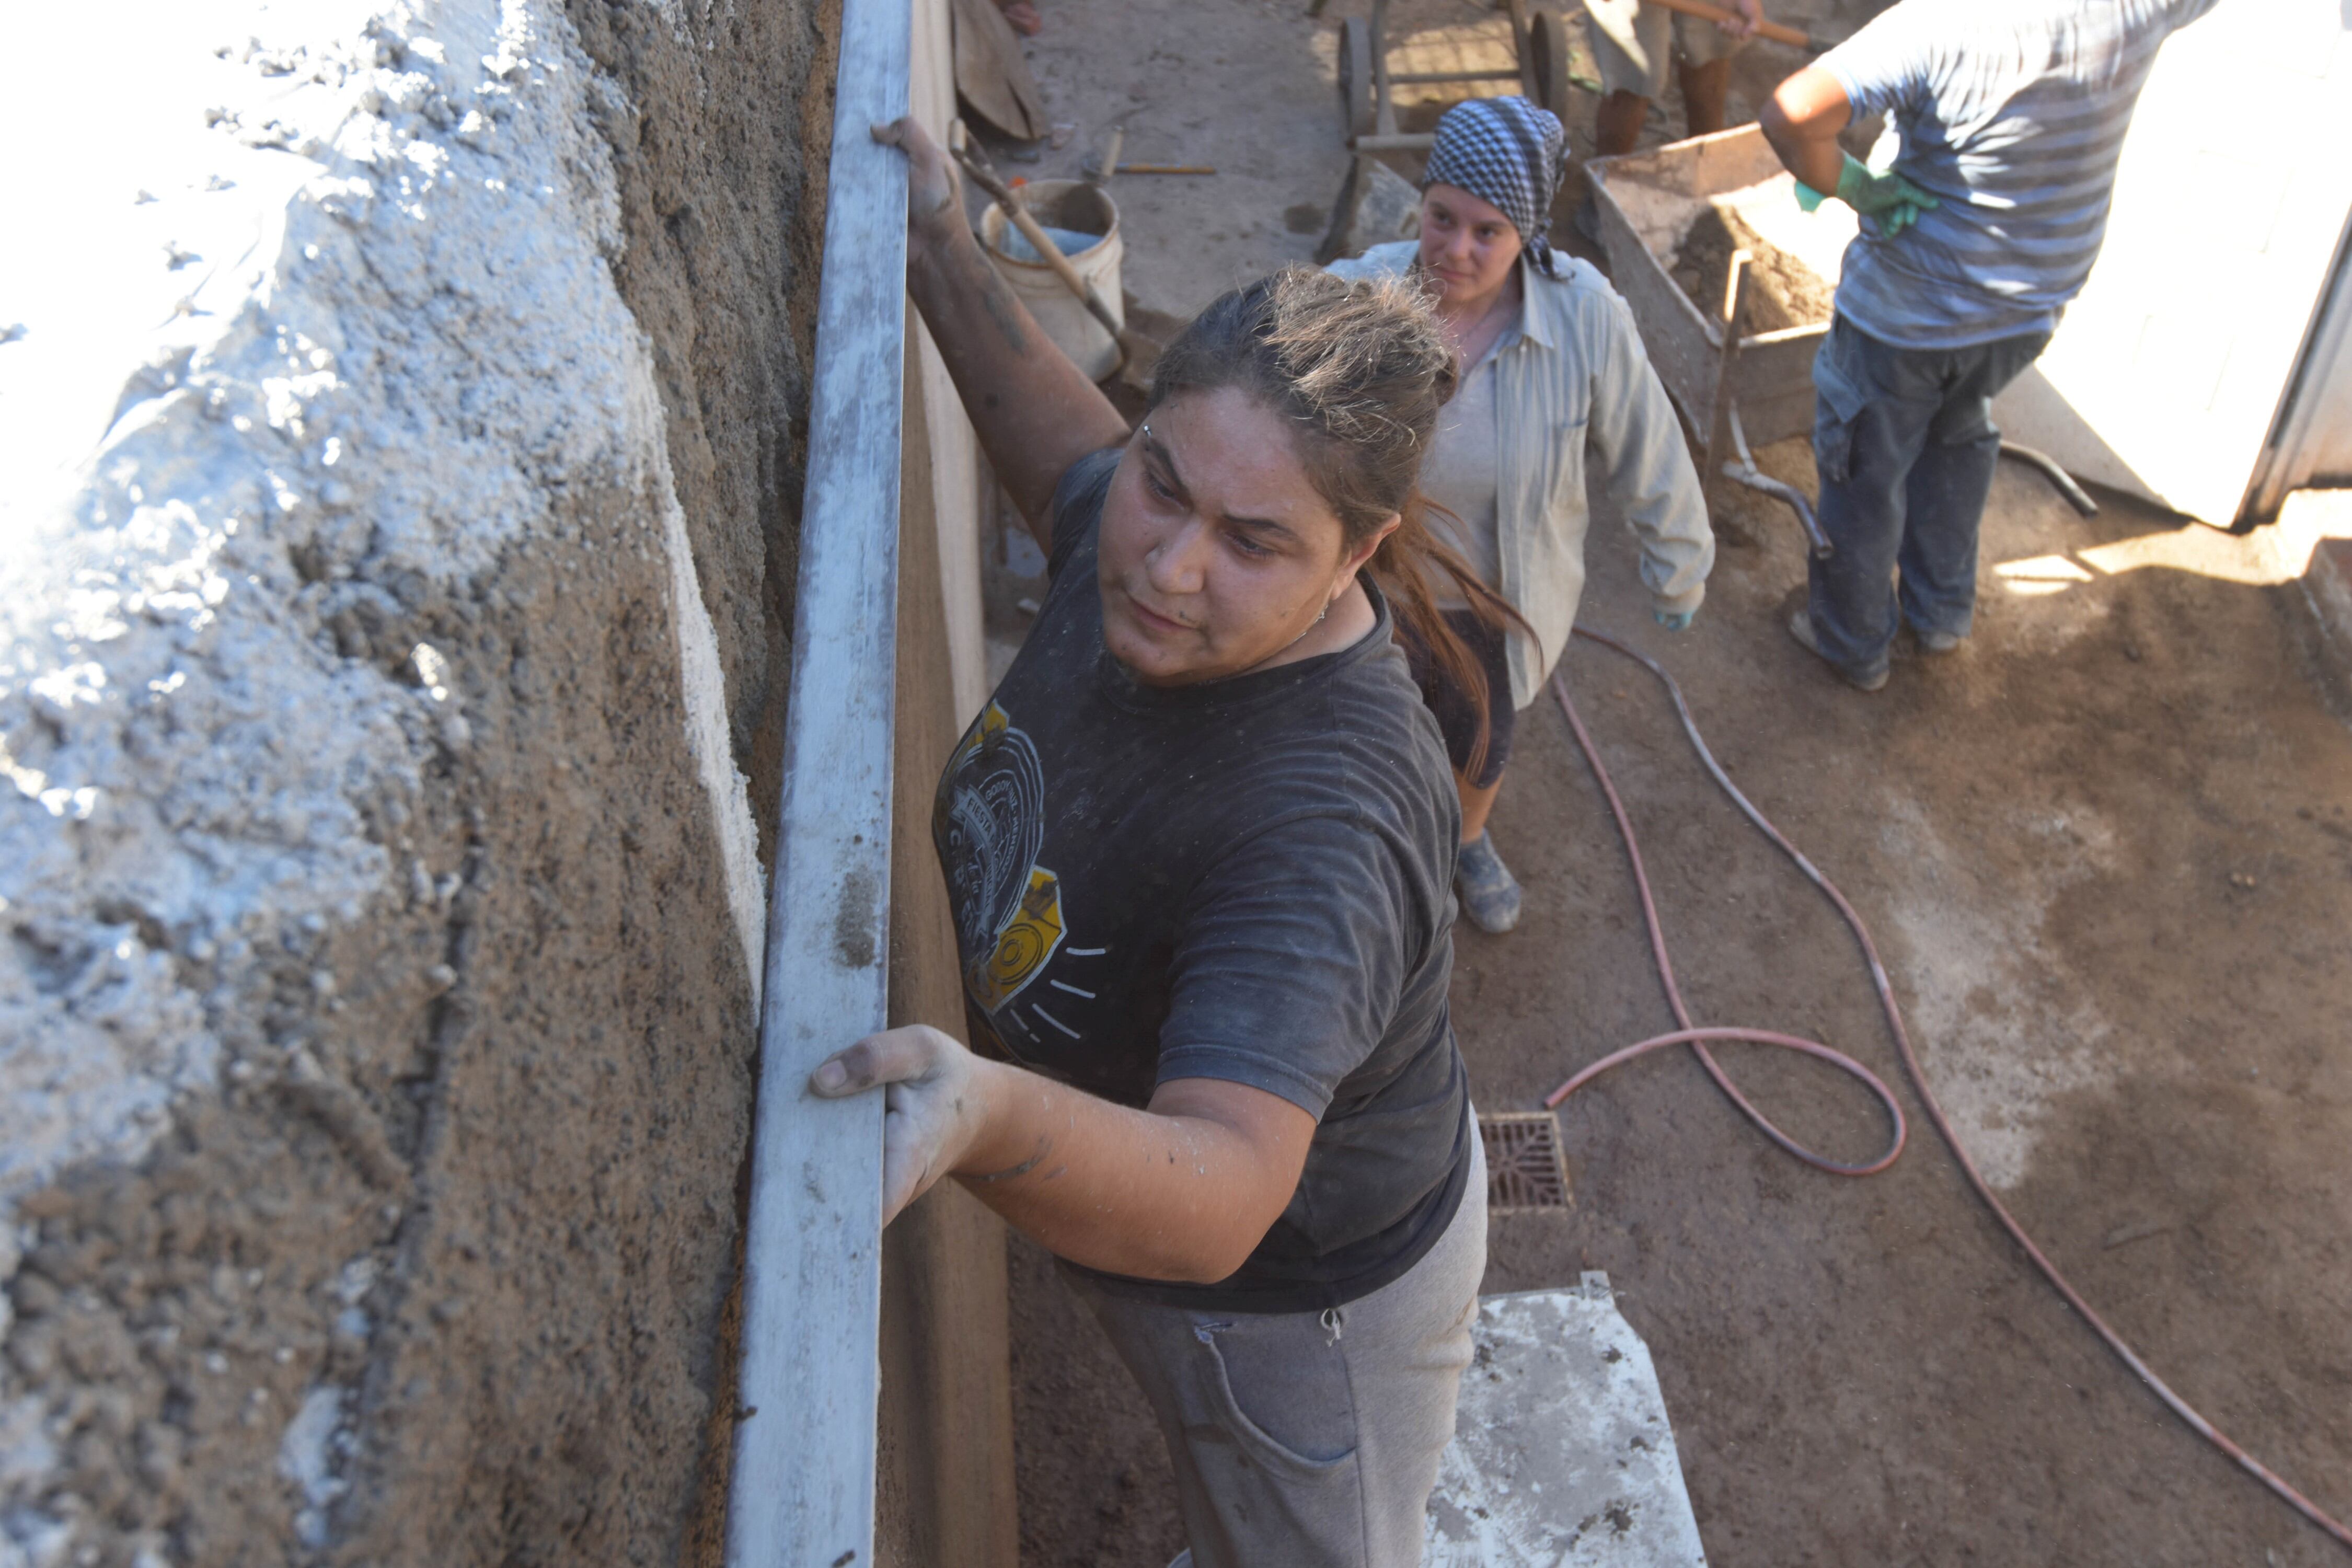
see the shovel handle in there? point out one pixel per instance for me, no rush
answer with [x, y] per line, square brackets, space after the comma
[985, 176]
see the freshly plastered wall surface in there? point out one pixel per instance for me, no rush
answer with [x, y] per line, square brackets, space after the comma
[397, 421]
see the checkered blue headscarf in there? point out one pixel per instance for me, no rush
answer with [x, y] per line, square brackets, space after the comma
[1507, 152]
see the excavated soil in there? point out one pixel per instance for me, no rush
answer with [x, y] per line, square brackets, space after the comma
[1782, 291]
[2107, 851]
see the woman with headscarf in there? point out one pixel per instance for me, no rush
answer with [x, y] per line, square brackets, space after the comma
[1554, 385]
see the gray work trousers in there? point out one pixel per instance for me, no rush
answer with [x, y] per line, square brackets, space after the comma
[1311, 1439]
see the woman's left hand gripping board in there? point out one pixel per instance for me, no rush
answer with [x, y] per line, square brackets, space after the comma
[934, 1104]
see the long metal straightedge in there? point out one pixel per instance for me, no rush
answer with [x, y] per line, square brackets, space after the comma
[802, 1490]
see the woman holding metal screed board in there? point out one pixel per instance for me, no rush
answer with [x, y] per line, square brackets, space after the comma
[1197, 847]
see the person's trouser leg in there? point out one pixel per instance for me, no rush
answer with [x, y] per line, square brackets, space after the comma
[1306, 1439]
[1875, 405]
[1945, 495]
[1631, 45]
[1704, 52]
[1707, 90]
[1617, 124]
[1944, 500]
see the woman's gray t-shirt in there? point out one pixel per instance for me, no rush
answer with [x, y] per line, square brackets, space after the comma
[1250, 880]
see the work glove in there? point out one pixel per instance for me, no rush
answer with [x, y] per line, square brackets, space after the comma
[1890, 198]
[1673, 620]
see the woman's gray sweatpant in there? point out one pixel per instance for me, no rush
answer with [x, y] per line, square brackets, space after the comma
[1307, 1439]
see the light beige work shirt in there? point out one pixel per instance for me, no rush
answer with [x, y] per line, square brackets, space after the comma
[1577, 381]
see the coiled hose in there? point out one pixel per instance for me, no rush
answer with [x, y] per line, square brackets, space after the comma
[1697, 1039]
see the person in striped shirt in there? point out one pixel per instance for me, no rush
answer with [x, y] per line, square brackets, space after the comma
[2012, 115]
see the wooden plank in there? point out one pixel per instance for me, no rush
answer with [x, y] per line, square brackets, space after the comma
[946, 1497]
[802, 1491]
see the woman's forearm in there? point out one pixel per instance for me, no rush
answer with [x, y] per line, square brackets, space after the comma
[1035, 412]
[1182, 1191]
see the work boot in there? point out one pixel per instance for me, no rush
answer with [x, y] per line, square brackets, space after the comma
[1938, 643]
[1490, 894]
[1617, 123]
[1801, 627]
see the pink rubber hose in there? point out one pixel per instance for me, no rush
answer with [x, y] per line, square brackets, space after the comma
[1697, 1039]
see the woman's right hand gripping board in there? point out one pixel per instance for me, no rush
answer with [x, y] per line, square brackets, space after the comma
[934, 1106]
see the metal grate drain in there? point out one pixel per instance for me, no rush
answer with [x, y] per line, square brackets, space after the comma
[1524, 1168]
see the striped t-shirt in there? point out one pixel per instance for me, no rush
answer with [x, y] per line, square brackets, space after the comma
[2012, 114]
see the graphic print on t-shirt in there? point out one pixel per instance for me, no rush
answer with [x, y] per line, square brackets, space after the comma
[990, 823]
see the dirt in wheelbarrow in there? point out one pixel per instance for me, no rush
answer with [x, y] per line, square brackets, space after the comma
[1782, 291]
[2106, 851]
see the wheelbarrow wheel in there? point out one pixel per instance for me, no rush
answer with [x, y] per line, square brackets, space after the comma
[1355, 107]
[1518, 10]
[1545, 67]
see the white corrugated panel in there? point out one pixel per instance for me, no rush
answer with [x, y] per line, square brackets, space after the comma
[2170, 371]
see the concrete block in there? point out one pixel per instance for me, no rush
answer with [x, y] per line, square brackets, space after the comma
[1563, 1455]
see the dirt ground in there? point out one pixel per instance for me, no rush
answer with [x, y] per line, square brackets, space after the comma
[2106, 851]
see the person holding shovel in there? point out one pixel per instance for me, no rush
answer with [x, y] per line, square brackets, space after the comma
[1196, 847]
[1555, 387]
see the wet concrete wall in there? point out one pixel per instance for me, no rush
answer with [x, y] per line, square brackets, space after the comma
[401, 410]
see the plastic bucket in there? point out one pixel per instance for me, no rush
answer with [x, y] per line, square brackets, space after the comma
[1062, 315]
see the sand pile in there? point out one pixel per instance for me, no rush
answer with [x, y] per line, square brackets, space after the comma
[1784, 291]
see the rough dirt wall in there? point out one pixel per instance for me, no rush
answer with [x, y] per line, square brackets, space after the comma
[379, 890]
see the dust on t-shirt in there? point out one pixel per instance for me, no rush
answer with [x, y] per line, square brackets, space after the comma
[1248, 880]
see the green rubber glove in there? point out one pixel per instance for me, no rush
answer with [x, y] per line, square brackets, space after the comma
[1890, 198]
